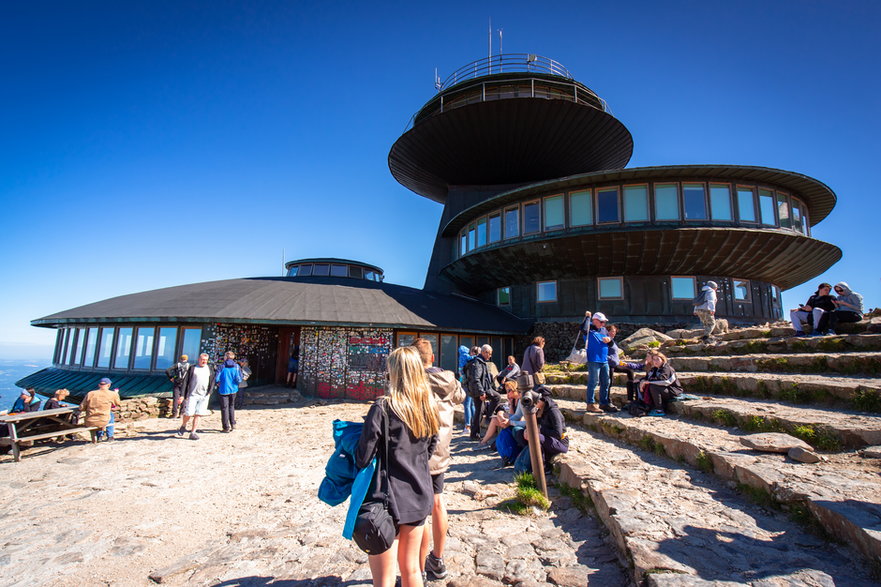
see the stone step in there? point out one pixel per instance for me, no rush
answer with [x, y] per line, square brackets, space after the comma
[825, 429]
[678, 525]
[859, 363]
[842, 494]
[813, 344]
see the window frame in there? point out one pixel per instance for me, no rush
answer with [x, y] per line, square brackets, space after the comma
[481, 223]
[731, 211]
[515, 209]
[101, 332]
[597, 191]
[703, 186]
[749, 294]
[538, 285]
[497, 215]
[589, 194]
[562, 199]
[648, 206]
[752, 189]
[677, 197]
[693, 287]
[775, 222]
[618, 278]
[538, 206]
[499, 301]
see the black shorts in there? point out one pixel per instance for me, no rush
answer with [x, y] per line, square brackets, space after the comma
[437, 483]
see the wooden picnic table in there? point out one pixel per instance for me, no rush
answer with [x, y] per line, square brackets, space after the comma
[39, 425]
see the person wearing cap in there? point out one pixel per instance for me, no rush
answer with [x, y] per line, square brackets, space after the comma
[706, 310]
[597, 345]
[176, 374]
[98, 406]
[27, 402]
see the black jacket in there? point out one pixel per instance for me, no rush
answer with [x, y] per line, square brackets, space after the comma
[822, 302]
[478, 380]
[552, 423]
[410, 492]
[190, 379]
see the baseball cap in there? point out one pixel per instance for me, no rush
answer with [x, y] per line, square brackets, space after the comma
[104, 381]
[601, 317]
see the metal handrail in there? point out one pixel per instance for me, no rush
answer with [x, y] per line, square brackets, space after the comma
[504, 63]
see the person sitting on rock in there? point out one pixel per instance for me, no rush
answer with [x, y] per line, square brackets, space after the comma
[507, 413]
[510, 372]
[812, 311]
[552, 434]
[660, 384]
[848, 308]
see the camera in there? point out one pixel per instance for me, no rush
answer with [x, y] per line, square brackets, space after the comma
[529, 401]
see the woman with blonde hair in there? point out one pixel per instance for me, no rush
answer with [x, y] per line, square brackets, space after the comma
[412, 425]
[55, 402]
[660, 383]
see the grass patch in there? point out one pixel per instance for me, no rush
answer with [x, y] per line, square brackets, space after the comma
[704, 462]
[761, 424]
[581, 499]
[867, 400]
[833, 345]
[757, 496]
[725, 418]
[647, 442]
[528, 496]
[655, 344]
[820, 438]
[755, 346]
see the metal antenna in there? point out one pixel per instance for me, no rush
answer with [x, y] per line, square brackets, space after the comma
[489, 36]
[282, 261]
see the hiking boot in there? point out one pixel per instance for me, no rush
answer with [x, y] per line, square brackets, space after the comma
[609, 408]
[181, 432]
[194, 436]
[435, 567]
[593, 408]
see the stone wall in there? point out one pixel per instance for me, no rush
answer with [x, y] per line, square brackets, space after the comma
[141, 408]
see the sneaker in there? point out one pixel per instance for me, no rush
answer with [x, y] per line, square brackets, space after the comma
[226, 430]
[435, 566]
[830, 333]
[593, 408]
[194, 436]
[656, 413]
[609, 408]
[181, 432]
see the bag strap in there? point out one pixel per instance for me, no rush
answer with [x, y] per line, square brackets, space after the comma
[385, 417]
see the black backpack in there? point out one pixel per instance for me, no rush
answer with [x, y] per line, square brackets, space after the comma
[638, 408]
[699, 299]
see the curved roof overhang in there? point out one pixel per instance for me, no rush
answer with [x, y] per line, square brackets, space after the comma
[509, 141]
[819, 197]
[332, 260]
[324, 301]
[782, 258]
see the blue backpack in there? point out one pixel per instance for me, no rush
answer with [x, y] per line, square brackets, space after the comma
[506, 445]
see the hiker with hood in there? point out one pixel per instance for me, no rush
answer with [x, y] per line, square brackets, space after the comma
[447, 393]
[812, 311]
[466, 355]
[705, 309]
[848, 308]
[229, 376]
[551, 426]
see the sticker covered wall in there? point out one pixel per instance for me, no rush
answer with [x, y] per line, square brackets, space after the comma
[344, 363]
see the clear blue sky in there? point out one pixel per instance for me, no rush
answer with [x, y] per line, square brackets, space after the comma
[150, 144]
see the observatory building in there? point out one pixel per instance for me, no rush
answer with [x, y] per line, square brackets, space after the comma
[541, 221]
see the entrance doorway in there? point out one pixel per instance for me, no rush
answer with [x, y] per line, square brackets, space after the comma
[288, 338]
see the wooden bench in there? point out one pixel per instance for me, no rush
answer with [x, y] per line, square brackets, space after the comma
[39, 425]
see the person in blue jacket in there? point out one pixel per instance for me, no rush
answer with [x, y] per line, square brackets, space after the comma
[228, 378]
[465, 355]
[27, 402]
[597, 344]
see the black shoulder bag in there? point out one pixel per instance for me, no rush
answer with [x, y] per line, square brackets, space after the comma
[374, 528]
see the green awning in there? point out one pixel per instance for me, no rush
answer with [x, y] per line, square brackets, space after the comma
[79, 383]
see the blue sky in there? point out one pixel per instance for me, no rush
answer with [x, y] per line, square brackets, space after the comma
[150, 144]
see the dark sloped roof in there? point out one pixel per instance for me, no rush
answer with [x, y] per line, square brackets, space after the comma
[79, 383]
[303, 301]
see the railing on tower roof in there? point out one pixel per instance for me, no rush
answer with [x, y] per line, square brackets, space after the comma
[505, 63]
[488, 82]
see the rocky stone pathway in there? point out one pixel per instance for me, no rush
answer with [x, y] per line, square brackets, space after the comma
[241, 509]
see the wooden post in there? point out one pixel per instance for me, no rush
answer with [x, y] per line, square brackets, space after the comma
[538, 468]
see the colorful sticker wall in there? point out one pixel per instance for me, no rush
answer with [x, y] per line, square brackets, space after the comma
[344, 363]
[259, 344]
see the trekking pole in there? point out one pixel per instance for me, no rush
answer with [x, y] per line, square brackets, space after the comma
[538, 468]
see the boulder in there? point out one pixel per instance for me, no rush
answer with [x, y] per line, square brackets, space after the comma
[871, 452]
[774, 442]
[642, 336]
[802, 455]
[685, 333]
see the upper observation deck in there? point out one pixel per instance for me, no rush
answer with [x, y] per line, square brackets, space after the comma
[508, 119]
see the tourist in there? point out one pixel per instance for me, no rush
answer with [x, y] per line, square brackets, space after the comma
[176, 374]
[228, 378]
[246, 374]
[706, 310]
[552, 436]
[507, 414]
[98, 406]
[616, 365]
[197, 389]
[413, 425]
[293, 367]
[468, 405]
[54, 402]
[510, 372]
[811, 312]
[534, 359]
[660, 384]
[848, 308]
[447, 394]
[27, 402]
[479, 385]
[597, 345]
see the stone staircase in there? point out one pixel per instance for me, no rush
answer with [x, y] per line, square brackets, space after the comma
[689, 504]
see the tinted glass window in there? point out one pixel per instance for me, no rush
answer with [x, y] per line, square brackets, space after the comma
[481, 232]
[512, 223]
[165, 352]
[504, 296]
[783, 211]
[607, 206]
[741, 290]
[636, 207]
[746, 207]
[472, 237]
[463, 244]
[144, 348]
[766, 207]
[192, 337]
[531, 218]
[796, 216]
[546, 291]
[356, 272]
[105, 348]
[305, 270]
[554, 214]
[449, 352]
[666, 202]
[694, 201]
[720, 202]
[123, 348]
[339, 270]
[321, 270]
[91, 346]
[611, 288]
[580, 208]
[292, 272]
[406, 338]
[495, 228]
[682, 288]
